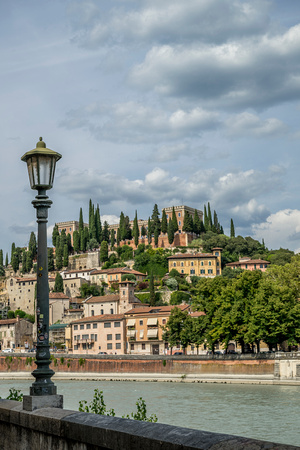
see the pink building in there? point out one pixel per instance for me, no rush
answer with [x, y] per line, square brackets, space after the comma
[249, 264]
[99, 334]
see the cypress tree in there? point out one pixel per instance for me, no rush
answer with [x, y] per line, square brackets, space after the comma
[58, 257]
[92, 224]
[81, 224]
[59, 283]
[122, 226]
[86, 237]
[32, 246]
[13, 249]
[164, 222]
[197, 223]
[136, 231]
[151, 290]
[6, 260]
[232, 230]
[206, 222]
[104, 251]
[209, 216]
[24, 262]
[76, 241]
[15, 261]
[202, 227]
[112, 239]
[171, 232]
[63, 240]
[118, 237]
[156, 234]
[149, 231]
[2, 271]
[65, 256]
[55, 233]
[98, 225]
[29, 261]
[69, 242]
[1, 257]
[82, 242]
[174, 220]
[143, 231]
[155, 219]
[50, 260]
[105, 232]
[187, 223]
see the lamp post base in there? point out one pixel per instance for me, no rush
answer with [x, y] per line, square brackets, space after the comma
[33, 402]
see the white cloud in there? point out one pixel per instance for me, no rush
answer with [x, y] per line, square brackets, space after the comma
[280, 229]
[247, 124]
[249, 73]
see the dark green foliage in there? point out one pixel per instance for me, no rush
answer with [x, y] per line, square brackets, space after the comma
[32, 246]
[98, 225]
[91, 289]
[112, 239]
[92, 225]
[20, 313]
[164, 222]
[179, 297]
[155, 221]
[125, 252]
[118, 236]
[10, 314]
[149, 231]
[6, 260]
[29, 261]
[104, 251]
[152, 261]
[128, 276]
[209, 216]
[136, 231]
[143, 231]
[66, 256]
[174, 273]
[206, 222]
[197, 224]
[76, 241]
[59, 284]
[151, 290]
[171, 232]
[232, 231]
[188, 225]
[81, 223]
[15, 261]
[58, 255]
[105, 232]
[280, 257]
[174, 221]
[55, 234]
[156, 234]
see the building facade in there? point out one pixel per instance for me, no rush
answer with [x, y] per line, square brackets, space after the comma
[249, 264]
[16, 334]
[198, 264]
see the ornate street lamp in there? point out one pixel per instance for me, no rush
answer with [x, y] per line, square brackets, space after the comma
[41, 168]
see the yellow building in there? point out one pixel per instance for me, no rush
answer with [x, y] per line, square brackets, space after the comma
[144, 329]
[199, 264]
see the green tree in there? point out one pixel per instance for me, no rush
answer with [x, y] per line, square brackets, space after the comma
[151, 290]
[98, 225]
[118, 237]
[92, 224]
[2, 271]
[13, 249]
[112, 239]
[59, 284]
[91, 289]
[143, 231]
[149, 231]
[156, 235]
[50, 260]
[155, 219]
[76, 241]
[6, 260]
[15, 261]
[55, 234]
[29, 261]
[174, 220]
[58, 255]
[32, 246]
[136, 231]
[206, 221]
[187, 223]
[164, 222]
[232, 231]
[171, 232]
[105, 232]
[197, 223]
[81, 223]
[179, 297]
[104, 251]
[173, 330]
[65, 256]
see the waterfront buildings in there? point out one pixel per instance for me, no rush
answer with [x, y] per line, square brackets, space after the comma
[16, 333]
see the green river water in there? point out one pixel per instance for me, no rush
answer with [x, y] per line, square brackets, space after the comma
[265, 412]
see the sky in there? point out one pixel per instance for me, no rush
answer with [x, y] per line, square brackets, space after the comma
[165, 102]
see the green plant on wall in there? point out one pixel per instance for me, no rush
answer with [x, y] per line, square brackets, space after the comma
[62, 360]
[81, 362]
[29, 360]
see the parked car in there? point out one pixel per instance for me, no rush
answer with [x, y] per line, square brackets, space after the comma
[102, 353]
[8, 350]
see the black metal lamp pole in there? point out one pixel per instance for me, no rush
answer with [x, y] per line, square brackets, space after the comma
[41, 168]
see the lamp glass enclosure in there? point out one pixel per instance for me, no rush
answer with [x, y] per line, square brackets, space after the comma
[41, 169]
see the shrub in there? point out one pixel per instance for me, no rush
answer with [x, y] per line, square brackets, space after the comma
[179, 297]
[171, 283]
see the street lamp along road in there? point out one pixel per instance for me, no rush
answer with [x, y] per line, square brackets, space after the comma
[41, 163]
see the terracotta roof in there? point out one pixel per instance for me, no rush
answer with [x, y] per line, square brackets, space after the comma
[76, 300]
[8, 321]
[77, 271]
[104, 298]
[198, 314]
[101, 318]
[75, 310]
[123, 270]
[248, 261]
[192, 255]
[23, 279]
[58, 295]
[156, 309]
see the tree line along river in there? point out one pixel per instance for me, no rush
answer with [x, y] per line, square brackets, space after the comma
[258, 411]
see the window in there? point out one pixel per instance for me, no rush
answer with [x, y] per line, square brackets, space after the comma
[75, 347]
[181, 264]
[141, 322]
[163, 321]
[109, 346]
[88, 326]
[192, 271]
[179, 223]
[143, 346]
[85, 336]
[93, 312]
[217, 253]
[131, 346]
[167, 216]
[75, 327]
[246, 266]
[209, 263]
[117, 324]
[202, 263]
[84, 346]
[202, 271]
[254, 266]
[118, 345]
[82, 327]
[118, 337]
[174, 264]
[123, 292]
[182, 271]
[209, 271]
[261, 266]
[111, 310]
[107, 324]
[179, 214]
[109, 337]
[94, 325]
[192, 263]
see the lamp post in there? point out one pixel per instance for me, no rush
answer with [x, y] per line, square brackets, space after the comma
[41, 168]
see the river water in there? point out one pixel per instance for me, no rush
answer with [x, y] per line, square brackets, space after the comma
[265, 412]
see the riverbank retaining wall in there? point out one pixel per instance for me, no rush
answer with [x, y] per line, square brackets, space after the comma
[54, 428]
[236, 365]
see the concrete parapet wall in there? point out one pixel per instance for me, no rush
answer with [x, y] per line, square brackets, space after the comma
[58, 429]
